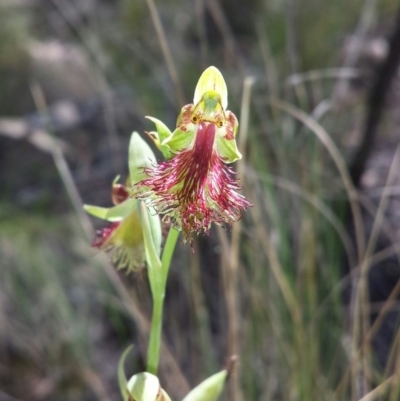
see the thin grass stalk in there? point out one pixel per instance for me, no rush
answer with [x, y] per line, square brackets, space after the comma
[367, 16]
[96, 383]
[386, 228]
[180, 98]
[382, 389]
[378, 257]
[201, 31]
[63, 169]
[390, 302]
[323, 136]
[291, 35]
[319, 75]
[229, 278]
[395, 388]
[232, 289]
[326, 140]
[232, 56]
[271, 72]
[99, 61]
[277, 269]
[363, 271]
[361, 305]
[320, 206]
[300, 348]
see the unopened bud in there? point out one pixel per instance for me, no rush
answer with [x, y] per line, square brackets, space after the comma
[146, 387]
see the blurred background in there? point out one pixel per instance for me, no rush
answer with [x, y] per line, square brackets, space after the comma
[304, 289]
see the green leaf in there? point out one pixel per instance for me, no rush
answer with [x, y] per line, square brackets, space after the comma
[121, 374]
[144, 387]
[116, 213]
[140, 155]
[209, 390]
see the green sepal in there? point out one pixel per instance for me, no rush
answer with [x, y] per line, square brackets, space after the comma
[227, 150]
[162, 133]
[179, 140]
[123, 383]
[116, 213]
[143, 387]
[211, 80]
[140, 155]
[209, 390]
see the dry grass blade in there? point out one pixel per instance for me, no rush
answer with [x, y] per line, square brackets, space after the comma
[221, 21]
[319, 205]
[274, 263]
[201, 28]
[180, 98]
[360, 293]
[362, 338]
[365, 21]
[232, 282]
[326, 140]
[316, 75]
[380, 390]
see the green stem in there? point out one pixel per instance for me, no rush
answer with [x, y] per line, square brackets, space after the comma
[158, 284]
[153, 352]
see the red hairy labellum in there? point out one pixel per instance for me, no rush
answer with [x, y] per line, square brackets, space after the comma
[195, 188]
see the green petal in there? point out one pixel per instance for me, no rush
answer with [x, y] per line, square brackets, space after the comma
[211, 80]
[179, 140]
[209, 390]
[116, 213]
[140, 155]
[163, 132]
[227, 150]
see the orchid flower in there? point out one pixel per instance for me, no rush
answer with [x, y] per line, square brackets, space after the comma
[123, 237]
[194, 187]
